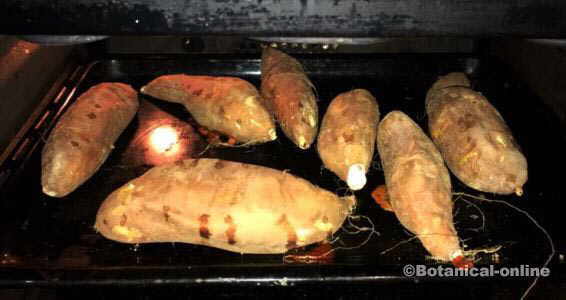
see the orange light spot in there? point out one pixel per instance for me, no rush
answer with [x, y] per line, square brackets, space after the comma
[381, 197]
[462, 263]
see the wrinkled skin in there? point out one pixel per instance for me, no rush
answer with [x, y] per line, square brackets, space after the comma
[289, 95]
[85, 135]
[348, 132]
[473, 138]
[228, 205]
[418, 184]
[228, 105]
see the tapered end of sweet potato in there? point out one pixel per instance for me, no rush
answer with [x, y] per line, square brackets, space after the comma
[170, 88]
[274, 61]
[451, 79]
[65, 168]
[53, 193]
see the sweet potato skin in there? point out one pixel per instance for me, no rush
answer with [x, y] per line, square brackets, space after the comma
[473, 138]
[228, 205]
[84, 136]
[289, 95]
[348, 132]
[418, 184]
[229, 105]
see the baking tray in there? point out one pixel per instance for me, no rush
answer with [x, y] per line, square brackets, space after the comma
[51, 242]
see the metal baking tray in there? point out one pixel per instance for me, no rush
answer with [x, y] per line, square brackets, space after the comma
[51, 242]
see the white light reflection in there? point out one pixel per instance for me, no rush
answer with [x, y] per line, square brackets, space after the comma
[164, 139]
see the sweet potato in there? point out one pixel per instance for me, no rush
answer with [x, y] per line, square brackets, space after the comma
[84, 136]
[473, 138]
[229, 105]
[228, 205]
[347, 136]
[289, 95]
[418, 184]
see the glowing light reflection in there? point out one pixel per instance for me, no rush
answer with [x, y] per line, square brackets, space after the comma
[164, 139]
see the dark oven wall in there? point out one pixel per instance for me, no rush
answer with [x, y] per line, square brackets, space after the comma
[390, 18]
[27, 72]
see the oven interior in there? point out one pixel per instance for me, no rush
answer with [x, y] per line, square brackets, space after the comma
[47, 242]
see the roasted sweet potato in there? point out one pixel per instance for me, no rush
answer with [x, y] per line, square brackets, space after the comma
[347, 136]
[289, 95]
[228, 205]
[473, 138]
[84, 136]
[418, 184]
[229, 105]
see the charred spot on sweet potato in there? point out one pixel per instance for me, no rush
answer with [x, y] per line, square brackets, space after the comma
[91, 116]
[75, 144]
[291, 234]
[203, 229]
[470, 145]
[197, 92]
[411, 164]
[194, 163]
[123, 220]
[282, 220]
[511, 177]
[97, 105]
[348, 138]
[219, 165]
[231, 231]
[166, 213]
[165, 188]
[315, 216]
[467, 121]
[105, 222]
[291, 243]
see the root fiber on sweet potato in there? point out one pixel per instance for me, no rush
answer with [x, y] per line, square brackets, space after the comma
[473, 138]
[228, 105]
[418, 184]
[346, 141]
[289, 95]
[84, 136]
[228, 205]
